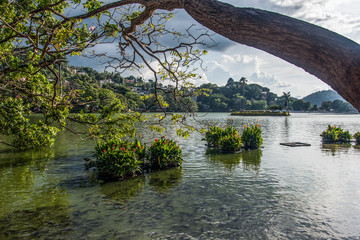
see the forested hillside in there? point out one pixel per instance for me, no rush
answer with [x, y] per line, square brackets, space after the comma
[138, 94]
[317, 98]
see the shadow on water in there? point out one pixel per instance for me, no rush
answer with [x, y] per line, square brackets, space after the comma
[21, 176]
[38, 159]
[50, 222]
[163, 181]
[25, 181]
[251, 160]
[123, 191]
[333, 149]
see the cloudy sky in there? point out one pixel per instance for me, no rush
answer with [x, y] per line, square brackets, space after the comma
[341, 16]
[233, 60]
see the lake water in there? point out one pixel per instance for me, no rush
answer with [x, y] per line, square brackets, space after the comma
[277, 192]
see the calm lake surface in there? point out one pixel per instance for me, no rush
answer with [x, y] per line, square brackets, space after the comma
[277, 192]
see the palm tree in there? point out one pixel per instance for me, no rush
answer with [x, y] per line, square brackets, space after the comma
[288, 99]
[243, 82]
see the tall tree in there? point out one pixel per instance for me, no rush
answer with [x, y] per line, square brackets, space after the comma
[230, 83]
[37, 35]
[288, 99]
[243, 82]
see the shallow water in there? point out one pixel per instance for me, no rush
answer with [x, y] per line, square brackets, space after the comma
[277, 192]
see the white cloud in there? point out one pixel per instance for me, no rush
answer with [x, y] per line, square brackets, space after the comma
[341, 16]
[237, 66]
[270, 81]
[234, 66]
[338, 16]
[261, 68]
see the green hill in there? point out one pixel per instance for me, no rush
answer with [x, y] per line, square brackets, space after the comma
[318, 97]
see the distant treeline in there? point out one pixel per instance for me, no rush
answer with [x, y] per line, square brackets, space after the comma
[99, 89]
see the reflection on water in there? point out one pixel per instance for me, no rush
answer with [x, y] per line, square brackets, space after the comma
[276, 192]
[32, 205]
[332, 149]
[163, 181]
[286, 129]
[229, 160]
[19, 183]
[123, 191]
[39, 159]
[250, 160]
[52, 222]
[357, 147]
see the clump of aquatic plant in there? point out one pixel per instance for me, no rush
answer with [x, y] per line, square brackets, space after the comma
[213, 135]
[164, 153]
[357, 138]
[118, 159]
[334, 134]
[230, 131]
[230, 142]
[251, 136]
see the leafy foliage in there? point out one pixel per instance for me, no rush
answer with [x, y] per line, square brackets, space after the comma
[213, 136]
[251, 137]
[164, 153]
[230, 142]
[226, 139]
[335, 134]
[235, 95]
[118, 159]
[14, 121]
[37, 37]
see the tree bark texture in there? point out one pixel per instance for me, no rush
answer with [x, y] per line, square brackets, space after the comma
[329, 56]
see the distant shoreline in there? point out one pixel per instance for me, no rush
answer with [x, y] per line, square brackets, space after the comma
[260, 113]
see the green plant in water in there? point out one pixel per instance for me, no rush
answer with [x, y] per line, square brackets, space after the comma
[164, 153]
[357, 138]
[251, 137]
[213, 135]
[231, 141]
[335, 134]
[118, 159]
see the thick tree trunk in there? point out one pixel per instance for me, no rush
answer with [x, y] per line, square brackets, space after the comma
[329, 56]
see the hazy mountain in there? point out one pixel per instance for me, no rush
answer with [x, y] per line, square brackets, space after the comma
[318, 97]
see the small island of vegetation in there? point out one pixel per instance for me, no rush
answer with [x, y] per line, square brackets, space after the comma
[229, 140]
[118, 159]
[336, 135]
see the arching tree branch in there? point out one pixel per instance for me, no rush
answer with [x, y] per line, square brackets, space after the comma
[329, 56]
